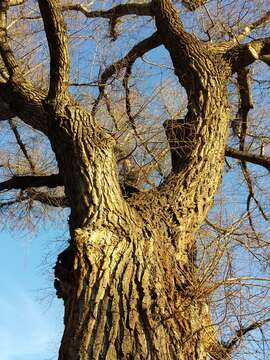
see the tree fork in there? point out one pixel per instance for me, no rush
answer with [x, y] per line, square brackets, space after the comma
[126, 279]
[128, 276]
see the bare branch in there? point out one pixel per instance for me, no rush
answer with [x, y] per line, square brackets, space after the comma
[57, 41]
[5, 50]
[131, 118]
[193, 4]
[137, 51]
[246, 156]
[245, 104]
[16, 2]
[244, 55]
[243, 331]
[115, 12]
[21, 97]
[21, 144]
[25, 182]
[47, 199]
[112, 14]
[5, 111]
[256, 24]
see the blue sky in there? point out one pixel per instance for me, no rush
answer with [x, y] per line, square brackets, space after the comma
[31, 316]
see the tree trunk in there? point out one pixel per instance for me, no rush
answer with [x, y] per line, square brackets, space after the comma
[128, 298]
[129, 279]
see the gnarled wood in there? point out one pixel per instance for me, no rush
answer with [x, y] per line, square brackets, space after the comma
[128, 278]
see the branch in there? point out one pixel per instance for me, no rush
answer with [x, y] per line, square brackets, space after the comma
[21, 144]
[245, 104]
[16, 2]
[57, 41]
[243, 331]
[25, 182]
[18, 96]
[193, 4]
[137, 51]
[248, 28]
[112, 14]
[44, 198]
[115, 12]
[181, 45]
[5, 111]
[246, 156]
[243, 55]
[26, 102]
[5, 50]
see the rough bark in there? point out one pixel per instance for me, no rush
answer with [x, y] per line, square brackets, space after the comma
[128, 278]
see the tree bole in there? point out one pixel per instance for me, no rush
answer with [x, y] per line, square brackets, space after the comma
[128, 277]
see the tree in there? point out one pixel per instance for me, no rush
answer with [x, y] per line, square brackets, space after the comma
[133, 276]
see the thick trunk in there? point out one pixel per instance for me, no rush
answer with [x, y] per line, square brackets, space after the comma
[128, 279]
[126, 297]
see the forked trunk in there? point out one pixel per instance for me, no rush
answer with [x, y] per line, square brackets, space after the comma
[128, 278]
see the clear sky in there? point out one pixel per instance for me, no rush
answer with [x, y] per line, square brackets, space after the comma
[30, 314]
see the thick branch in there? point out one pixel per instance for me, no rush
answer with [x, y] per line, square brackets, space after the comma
[57, 40]
[201, 135]
[188, 54]
[26, 102]
[19, 96]
[193, 4]
[5, 50]
[25, 182]
[47, 199]
[241, 56]
[246, 156]
[5, 111]
[115, 12]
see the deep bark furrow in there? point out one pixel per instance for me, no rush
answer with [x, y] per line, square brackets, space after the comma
[128, 277]
[134, 268]
[142, 311]
[145, 311]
